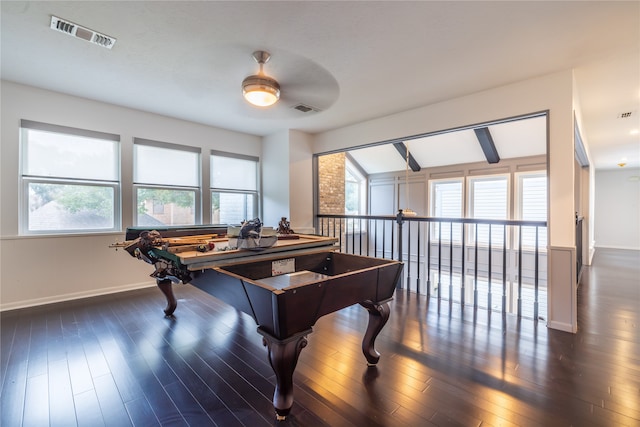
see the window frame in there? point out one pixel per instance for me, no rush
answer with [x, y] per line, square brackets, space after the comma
[25, 180]
[197, 214]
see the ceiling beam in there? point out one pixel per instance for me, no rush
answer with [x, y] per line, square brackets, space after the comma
[402, 149]
[486, 142]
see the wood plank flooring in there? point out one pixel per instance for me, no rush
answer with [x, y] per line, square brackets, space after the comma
[116, 361]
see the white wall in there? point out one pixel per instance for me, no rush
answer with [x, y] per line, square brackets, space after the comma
[617, 206]
[301, 190]
[287, 187]
[36, 270]
[275, 178]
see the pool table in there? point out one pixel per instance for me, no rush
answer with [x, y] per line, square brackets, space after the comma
[286, 289]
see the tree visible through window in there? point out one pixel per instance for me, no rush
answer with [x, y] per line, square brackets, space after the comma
[70, 179]
[166, 198]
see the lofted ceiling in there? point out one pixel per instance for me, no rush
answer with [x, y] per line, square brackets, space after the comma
[512, 139]
[187, 60]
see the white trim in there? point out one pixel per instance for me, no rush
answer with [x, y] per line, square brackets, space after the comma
[626, 248]
[74, 296]
[561, 326]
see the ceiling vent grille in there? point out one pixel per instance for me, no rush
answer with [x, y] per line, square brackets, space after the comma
[80, 32]
[305, 108]
[625, 115]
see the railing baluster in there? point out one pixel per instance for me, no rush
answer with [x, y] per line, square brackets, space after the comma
[535, 280]
[408, 255]
[489, 273]
[451, 262]
[375, 240]
[475, 269]
[429, 225]
[393, 240]
[400, 224]
[519, 271]
[360, 234]
[439, 260]
[353, 236]
[384, 238]
[504, 270]
[368, 235]
[463, 258]
[418, 260]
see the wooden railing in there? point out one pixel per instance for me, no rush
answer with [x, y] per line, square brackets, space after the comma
[463, 260]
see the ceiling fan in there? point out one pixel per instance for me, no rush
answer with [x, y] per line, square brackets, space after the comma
[302, 86]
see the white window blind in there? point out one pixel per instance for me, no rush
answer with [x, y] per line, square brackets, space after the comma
[166, 195]
[70, 179]
[446, 202]
[234, 187]
[489, 200]
[532, 192]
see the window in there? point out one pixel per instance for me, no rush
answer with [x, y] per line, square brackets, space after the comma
[70, 180]
[446, 202]
[355, 184]
[166, 182]
[234, 188]
[532, 206]
[488, 199]
[354, 190]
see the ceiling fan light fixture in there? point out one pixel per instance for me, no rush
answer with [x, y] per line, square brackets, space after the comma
[261, 90]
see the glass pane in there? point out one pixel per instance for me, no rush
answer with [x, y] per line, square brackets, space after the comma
[232, 208]
[490, 202]
[164, 166]
[351, 198]
[68, 156]
[165, 207]
[447, 203]
[234, 174]
[533, 194]
[58, 207]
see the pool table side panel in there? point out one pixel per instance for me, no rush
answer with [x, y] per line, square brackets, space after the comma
[229, 289]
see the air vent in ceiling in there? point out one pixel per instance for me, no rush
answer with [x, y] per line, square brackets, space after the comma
[305, 108]
[80, 32]
[625, 115]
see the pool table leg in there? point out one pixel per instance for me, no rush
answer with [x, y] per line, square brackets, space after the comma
[165, 286]
[378, 316]
[283, 357]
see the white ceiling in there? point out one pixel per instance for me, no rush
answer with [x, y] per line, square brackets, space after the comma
[187, 59]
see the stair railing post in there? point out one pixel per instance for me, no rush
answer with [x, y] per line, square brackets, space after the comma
[400, 222]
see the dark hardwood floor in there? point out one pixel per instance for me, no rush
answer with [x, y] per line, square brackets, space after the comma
[116, 361]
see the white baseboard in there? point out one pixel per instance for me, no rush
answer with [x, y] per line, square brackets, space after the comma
[73, 296]
[561, 326]
[626, 248]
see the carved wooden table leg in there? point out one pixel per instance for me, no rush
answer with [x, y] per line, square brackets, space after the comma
[378, 316]
[283, 357]
[165, 286]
